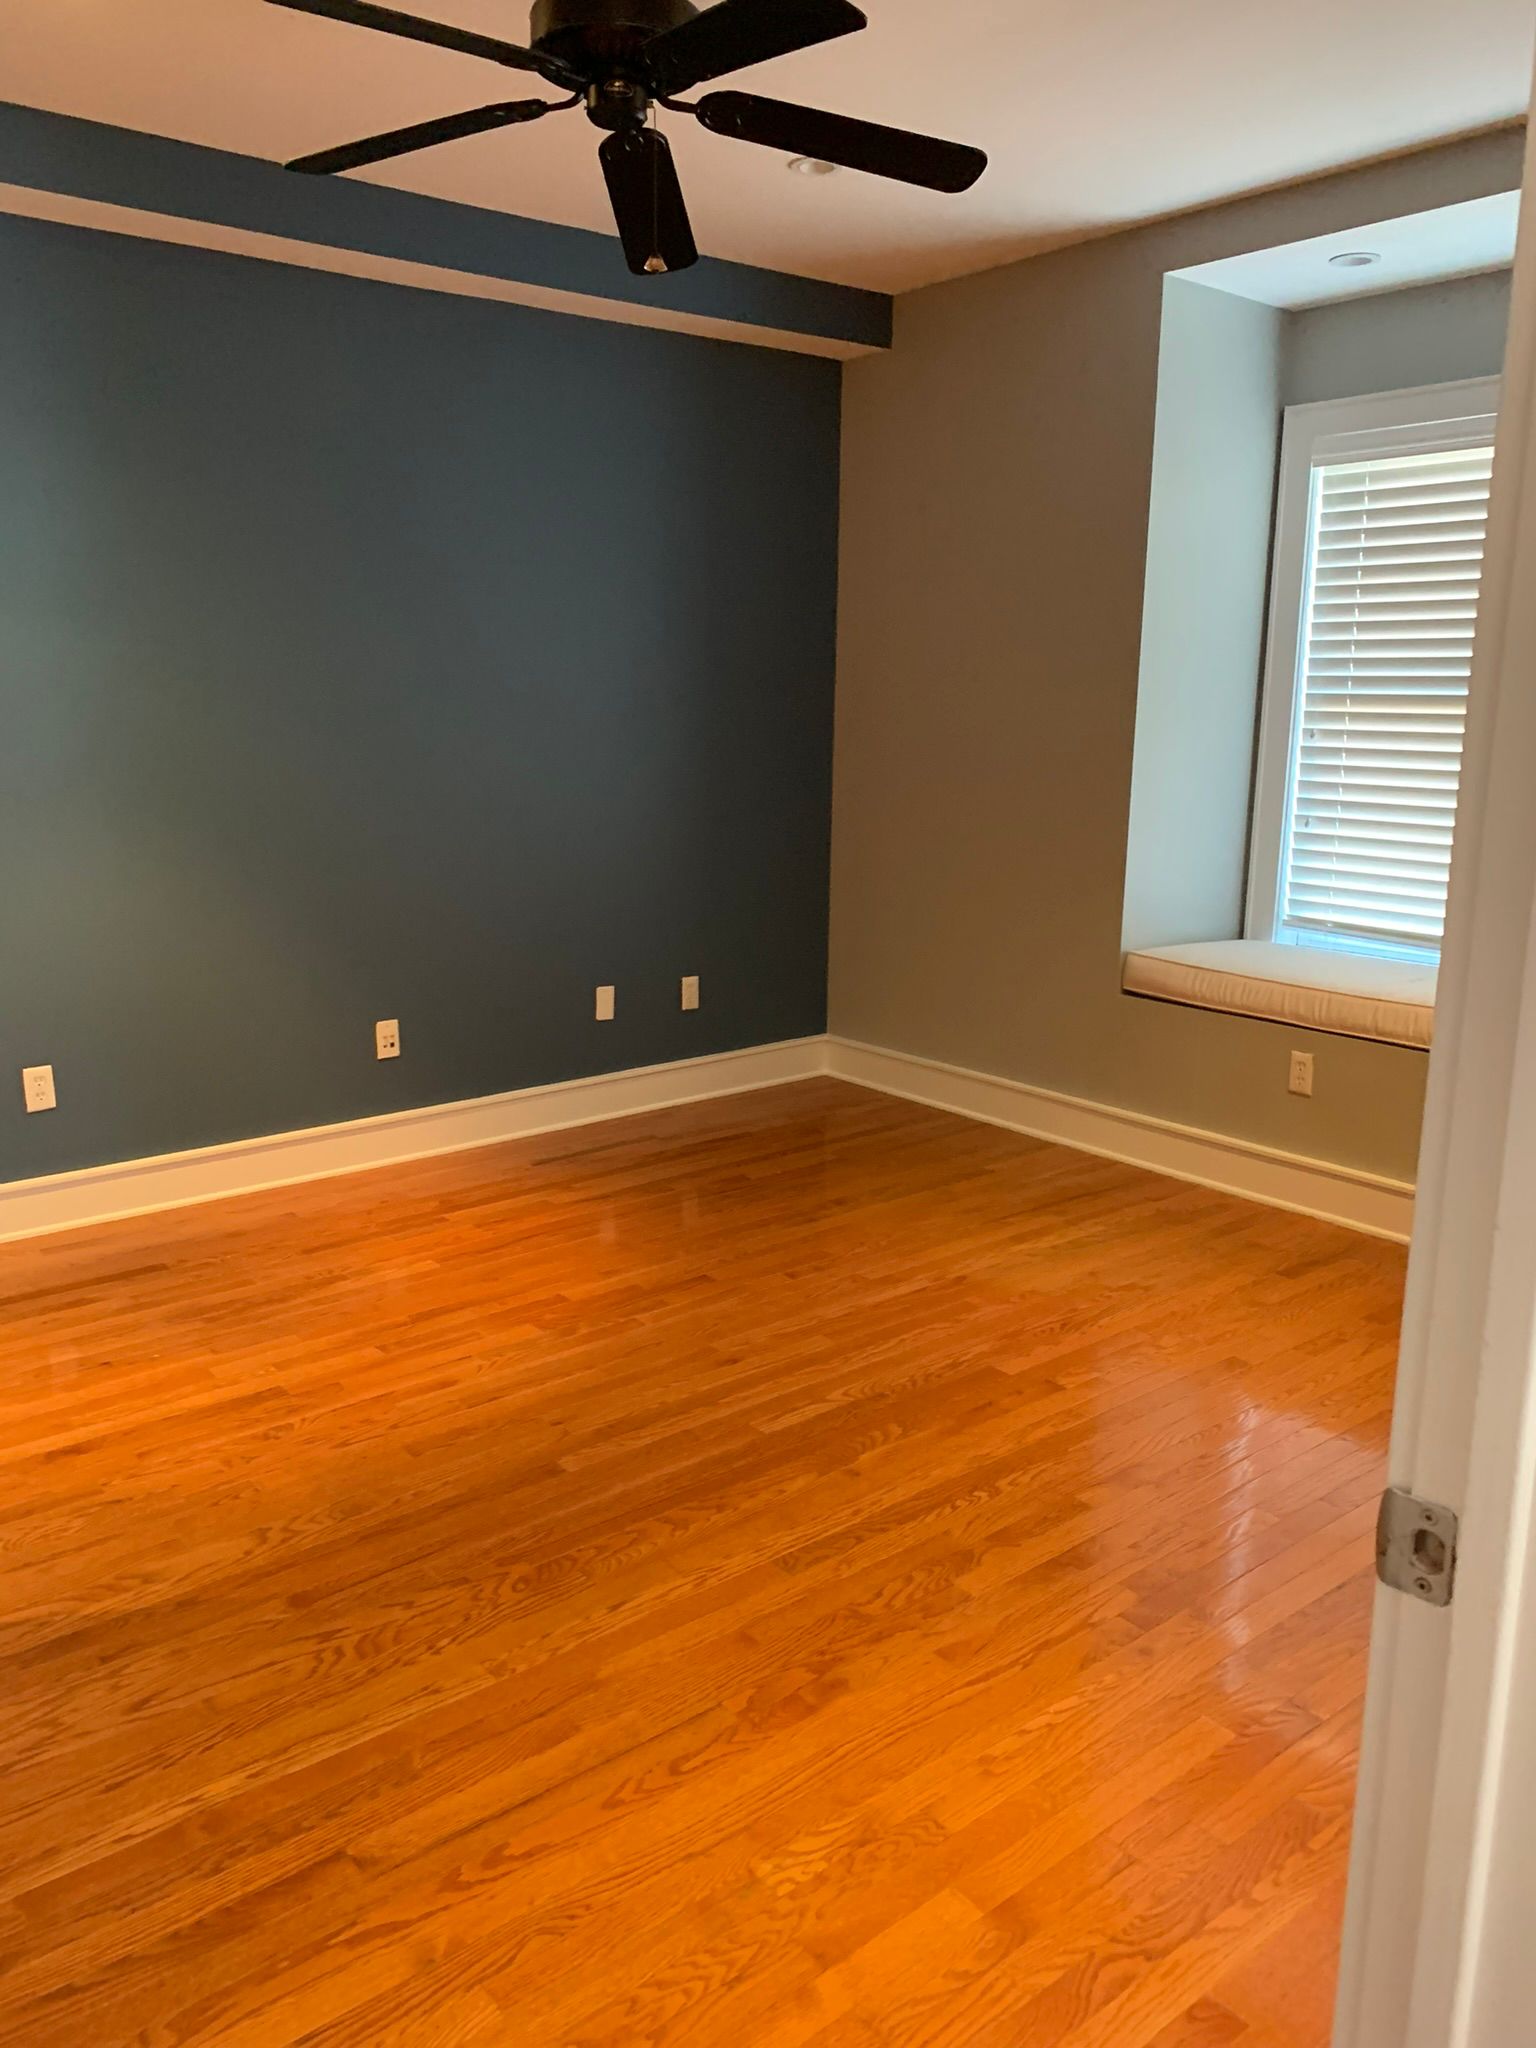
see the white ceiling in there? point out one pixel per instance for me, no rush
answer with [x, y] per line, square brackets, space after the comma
[1096, 112]
[1454, 241]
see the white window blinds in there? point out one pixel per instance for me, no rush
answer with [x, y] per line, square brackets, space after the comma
[1395, 560]
[1378, 562]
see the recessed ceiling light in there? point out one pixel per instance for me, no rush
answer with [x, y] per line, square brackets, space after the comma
[811, 167]
[1355, 259]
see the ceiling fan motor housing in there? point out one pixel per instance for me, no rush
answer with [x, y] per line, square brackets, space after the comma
[591, 35]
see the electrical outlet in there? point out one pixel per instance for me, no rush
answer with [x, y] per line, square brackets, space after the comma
[690, 991]
[386, 1039]
[1301, 1073]
[605, 1005]
[38, 1090]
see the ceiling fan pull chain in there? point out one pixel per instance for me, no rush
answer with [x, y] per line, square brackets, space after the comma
[655, 263]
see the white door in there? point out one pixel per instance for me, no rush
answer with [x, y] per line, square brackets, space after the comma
[1440, 1937]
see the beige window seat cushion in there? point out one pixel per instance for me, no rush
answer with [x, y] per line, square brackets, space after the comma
[1323, 990]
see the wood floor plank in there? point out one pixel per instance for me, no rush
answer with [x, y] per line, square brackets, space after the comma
[802, 1570]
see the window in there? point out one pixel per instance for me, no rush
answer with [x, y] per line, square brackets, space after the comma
[1378, 562]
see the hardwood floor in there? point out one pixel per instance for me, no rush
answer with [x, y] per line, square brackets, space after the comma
[798, 1572]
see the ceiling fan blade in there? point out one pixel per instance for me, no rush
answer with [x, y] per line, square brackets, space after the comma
[735, 33]
[364, 14]
[377, 149]
[648, 201]
[860, 145]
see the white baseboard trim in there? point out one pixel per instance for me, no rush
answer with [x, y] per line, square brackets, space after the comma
[138, 1187]
[1281, 1180]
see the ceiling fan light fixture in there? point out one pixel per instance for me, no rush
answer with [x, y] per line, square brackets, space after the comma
[811, 166]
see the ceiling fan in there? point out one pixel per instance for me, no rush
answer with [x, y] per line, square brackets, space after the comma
[620, 59]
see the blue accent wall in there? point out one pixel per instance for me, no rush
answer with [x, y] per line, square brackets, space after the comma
[366, 652]
[152, 173]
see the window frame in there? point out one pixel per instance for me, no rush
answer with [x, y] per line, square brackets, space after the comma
[1426, 419]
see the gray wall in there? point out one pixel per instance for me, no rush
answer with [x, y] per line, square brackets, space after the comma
[997, 472]
[1391, 341]
[367, 653]
[1207, 573]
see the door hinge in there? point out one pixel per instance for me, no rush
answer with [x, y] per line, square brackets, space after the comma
[1416, 1546]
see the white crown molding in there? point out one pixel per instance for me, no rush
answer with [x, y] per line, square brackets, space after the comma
[138, 1187]
[1281, 1180]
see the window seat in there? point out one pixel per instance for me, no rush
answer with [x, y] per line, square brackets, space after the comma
[1325, 991]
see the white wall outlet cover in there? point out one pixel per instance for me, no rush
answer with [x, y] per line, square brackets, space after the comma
[605, 1005]
[690, 991]
[38, 1090]
[386, 1038]
[1301, 1073]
